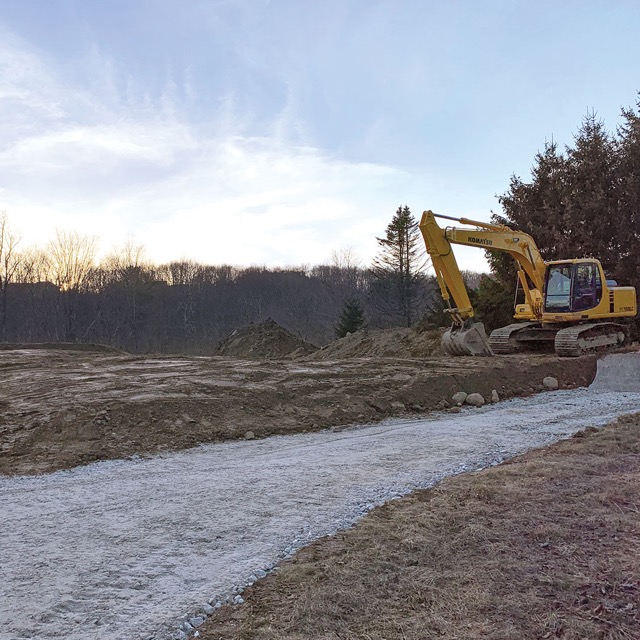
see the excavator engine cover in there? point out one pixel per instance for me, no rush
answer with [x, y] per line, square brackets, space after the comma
[470, 339]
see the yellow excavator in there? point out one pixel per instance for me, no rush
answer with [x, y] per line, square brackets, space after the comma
[567, 303]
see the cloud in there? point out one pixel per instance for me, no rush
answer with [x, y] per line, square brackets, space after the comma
[121, 166]
[110, 159]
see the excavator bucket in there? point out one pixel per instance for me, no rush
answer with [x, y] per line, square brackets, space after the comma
[470, 339]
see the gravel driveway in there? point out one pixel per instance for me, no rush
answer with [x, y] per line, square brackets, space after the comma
[128, 549]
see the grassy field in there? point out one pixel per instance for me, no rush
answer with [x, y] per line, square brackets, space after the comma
[545, 546]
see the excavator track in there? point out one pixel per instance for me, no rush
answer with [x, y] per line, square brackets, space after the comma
[586, 338]
[503, 340]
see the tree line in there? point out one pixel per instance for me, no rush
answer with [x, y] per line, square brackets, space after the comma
[62, 294]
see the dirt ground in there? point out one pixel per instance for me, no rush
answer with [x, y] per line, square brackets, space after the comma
[63, 407]
[544, 546]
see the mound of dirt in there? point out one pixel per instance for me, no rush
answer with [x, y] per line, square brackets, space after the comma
[264, 340]
[382, 343]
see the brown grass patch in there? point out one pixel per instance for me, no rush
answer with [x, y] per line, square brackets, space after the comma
[545, 546]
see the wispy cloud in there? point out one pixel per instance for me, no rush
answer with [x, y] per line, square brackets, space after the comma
[112, 163]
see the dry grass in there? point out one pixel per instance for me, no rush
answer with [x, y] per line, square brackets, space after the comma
[546, 546]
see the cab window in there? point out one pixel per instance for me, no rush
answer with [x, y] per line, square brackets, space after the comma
[572, 287]
[584, 287]
[558, 294]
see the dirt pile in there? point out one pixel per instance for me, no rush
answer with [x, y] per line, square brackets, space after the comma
[264, 340]
[383, 343]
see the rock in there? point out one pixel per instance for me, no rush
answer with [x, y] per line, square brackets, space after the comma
[399, 406]
[381, 406]
[238, 600]
[260, 574]
[208, 609]
[455, 410]
[475, 399]
[187, 418]
[550, 383]
[249, 435]
[494, 396]
[458, 398]
[180, 635]
[196, 621]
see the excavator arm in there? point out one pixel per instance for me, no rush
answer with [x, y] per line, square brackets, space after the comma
[466, 336]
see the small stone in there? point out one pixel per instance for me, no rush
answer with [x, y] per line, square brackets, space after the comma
[380, 405]
[186, 627]
[494, 396]
[458, 398]
[208, 609]
[180, 635]
[455, 410]
[196, 621]
[238, 600]
[475, 400]
[550, 383]
[260, 574]
[249, 435]
[187, 418]
[399, 406]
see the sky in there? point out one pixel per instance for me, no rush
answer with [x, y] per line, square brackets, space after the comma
[275, 132]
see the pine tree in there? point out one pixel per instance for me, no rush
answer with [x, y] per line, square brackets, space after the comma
[351, 319]
[398, 270]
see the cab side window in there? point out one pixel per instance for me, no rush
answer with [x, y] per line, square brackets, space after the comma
[585, 289]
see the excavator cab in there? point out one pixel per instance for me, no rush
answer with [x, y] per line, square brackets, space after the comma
[572, 287]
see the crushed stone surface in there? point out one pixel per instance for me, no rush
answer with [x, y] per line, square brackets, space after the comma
[133, 548]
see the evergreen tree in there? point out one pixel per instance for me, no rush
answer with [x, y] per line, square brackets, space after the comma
[569, 205]
[585, 203]
[351, 319]
[628, 214]
[398, 270]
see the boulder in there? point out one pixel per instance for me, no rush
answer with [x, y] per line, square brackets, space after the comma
[550, 383]
[458, 398]
[475, 399]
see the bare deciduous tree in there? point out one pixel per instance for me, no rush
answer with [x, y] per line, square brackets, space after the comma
[9, 262]
[71, 261]
[71, 258]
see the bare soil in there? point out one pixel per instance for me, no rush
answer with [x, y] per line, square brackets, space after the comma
[544, 546]
[383, 343]
[64, 407]
[264, 340]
